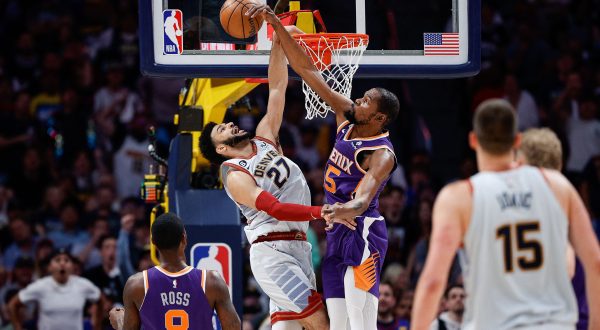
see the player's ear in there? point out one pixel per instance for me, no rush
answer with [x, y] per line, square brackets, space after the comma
[184, 240]
[473, 140]
[221, 149]
[518, 139]
[381, 118]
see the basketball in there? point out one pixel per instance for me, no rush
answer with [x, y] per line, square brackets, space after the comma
[179, 33]
[235, 22]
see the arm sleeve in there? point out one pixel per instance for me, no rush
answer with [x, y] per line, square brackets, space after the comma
[286, 211]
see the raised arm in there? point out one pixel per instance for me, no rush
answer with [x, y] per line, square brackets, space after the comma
[218, 297]
[303, 65]
[278, 79]
[446, 235]
[381, 164]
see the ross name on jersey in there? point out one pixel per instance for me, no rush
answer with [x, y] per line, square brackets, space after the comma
[175, 298]
[261, 167]
[340, 160]
[514, 200]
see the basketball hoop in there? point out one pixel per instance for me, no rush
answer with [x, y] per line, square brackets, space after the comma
[336, 56]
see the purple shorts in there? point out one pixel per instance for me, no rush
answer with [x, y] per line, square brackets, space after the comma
[363, 249]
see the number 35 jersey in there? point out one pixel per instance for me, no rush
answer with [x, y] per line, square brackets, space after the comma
[275, 174]
[515, 248]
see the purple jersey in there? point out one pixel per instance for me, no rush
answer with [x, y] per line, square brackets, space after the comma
[578, 282]
[175, 300]
[362, 249]
[343, 173]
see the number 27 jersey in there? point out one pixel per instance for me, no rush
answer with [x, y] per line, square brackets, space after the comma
[275, 174]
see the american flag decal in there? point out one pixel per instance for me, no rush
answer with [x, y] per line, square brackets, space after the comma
[440, 44]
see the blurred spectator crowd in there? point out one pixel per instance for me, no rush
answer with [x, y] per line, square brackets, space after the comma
[74, 112]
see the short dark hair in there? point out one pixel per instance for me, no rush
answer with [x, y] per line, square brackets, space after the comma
[103, 239]
[388, 104]
[495, 125]
[450, 287]
[167, 231]
[207, 145]
[60, 251]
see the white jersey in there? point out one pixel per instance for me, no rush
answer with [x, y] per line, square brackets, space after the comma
[60, 305]
[515, 248]
[277, 175]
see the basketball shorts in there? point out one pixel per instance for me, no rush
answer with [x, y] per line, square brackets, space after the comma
[284, 271]
[363, 249]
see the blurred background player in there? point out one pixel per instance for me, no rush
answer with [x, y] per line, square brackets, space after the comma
[357, 170]
[61, 297]
[534, 210]
[541, 147]
[264, 184]
[174, 294]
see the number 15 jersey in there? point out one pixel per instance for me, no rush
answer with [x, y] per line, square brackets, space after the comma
[275, 174]
[515, 247]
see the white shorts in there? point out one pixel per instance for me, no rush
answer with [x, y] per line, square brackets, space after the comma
[284, 271]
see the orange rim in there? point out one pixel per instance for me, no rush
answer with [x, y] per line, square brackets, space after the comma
[337, 40]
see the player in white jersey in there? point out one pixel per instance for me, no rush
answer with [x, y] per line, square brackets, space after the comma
[273, 195]
[514, 224]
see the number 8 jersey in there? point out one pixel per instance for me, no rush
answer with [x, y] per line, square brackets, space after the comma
[275, 174]
[175, 301]
[515, 248]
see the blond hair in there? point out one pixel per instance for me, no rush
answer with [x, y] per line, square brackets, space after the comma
[541, 147]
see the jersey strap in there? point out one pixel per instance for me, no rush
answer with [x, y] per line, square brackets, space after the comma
[373, 148]
[342, 125]
[203, 279]
[272, 143]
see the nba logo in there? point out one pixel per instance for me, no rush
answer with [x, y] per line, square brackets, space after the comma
[213, 256]
[172, 32]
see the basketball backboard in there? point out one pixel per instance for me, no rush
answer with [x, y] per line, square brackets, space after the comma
[422, 39]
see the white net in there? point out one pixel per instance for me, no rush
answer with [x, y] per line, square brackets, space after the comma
[336, 56]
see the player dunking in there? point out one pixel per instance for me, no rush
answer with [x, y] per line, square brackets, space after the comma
[515, 224]
[267, 186]
[174, 295]
[357, 170]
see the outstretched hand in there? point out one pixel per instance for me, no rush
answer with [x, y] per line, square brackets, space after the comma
[262, 10]
[326, 212]
[341, 211]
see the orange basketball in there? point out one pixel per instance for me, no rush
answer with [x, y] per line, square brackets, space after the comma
[235, 22]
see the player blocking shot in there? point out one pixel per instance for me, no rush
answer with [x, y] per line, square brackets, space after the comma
[356, 172]
[273, 195]
[515, 224]
[173, 295]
